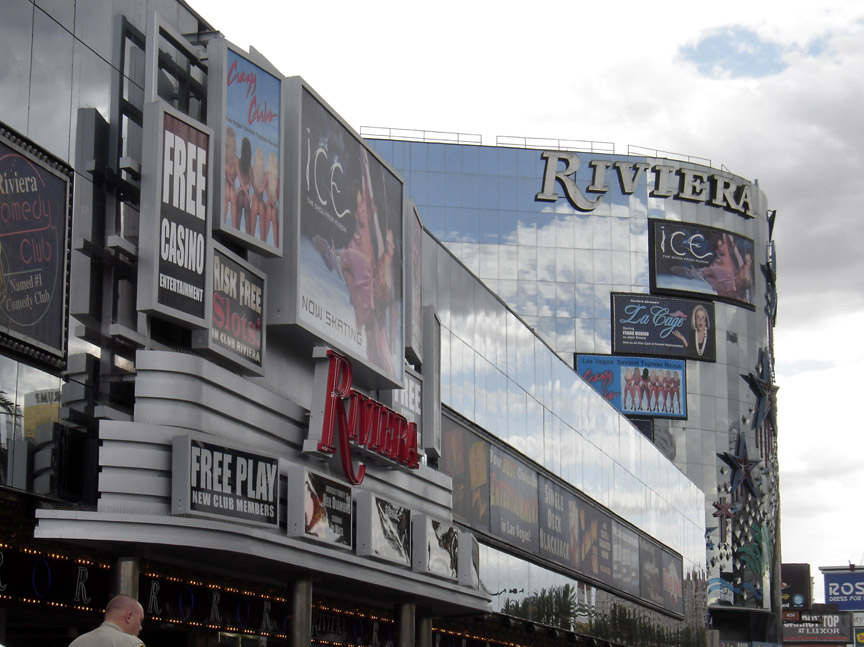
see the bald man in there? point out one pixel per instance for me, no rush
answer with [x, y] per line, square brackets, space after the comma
[123, 617]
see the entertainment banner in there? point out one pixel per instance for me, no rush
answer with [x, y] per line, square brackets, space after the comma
[513, 505]
[638, 385]
[595, 541]
[383, 529]
[350, 243]
[673, 582]
[237, 329]
[466, 461]
[650, 575]
[247, 116]
[34, 232]
[691, 258]
[625, 559]
[327, 508]
[174, 267]
[646, 324]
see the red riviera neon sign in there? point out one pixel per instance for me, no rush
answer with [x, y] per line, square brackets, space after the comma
[361, 422]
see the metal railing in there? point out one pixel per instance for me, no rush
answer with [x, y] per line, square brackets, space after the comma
[428, 136]
[575, 145]
[654, 152]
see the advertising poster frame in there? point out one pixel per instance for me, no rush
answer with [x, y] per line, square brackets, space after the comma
[660, 326]
[324, 513]
[688, 259]
[344, 246]
[230, 483]
[236, 287]
[620, 379]
[245, 109]
[35, 250]
[165, 287]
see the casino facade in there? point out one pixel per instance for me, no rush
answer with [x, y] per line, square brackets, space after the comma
[288, 385]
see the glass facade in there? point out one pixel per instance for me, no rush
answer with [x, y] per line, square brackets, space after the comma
[74, 84]
[556, 254]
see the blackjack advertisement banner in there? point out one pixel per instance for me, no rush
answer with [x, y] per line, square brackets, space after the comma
[697, 259]
[35, 198]
[646, 324]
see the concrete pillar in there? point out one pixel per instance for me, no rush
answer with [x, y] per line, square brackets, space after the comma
[301, 629]
[407, 613]
[424, 632]
[127, 576]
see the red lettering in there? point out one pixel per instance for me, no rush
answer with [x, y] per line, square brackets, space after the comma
[364, 422]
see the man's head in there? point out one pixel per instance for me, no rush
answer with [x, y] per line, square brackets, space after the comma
[125, 612]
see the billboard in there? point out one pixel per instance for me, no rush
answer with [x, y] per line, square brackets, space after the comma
[845, 589]
[513, 503]
[245, 111]
[796, 588]
[213, 480]
[383, 529]
[647, 324]
[237, 328]
[504, 496]
[324, 512]
[816, 627]
[347, 242]
[644, 386]
[687, 258]
[35, 211]
[174, 250]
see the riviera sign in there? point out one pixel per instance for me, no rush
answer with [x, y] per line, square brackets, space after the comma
[362, 424]
[668, 182]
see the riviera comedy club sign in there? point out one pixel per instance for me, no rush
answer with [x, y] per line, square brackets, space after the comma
[344, 419]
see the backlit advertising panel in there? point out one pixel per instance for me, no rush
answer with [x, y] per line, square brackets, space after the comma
[595, 541]
[647, 324]
[209, 479]
[324, 512]
[35, 199]
[175, 249]
[845, 589]
[625, 559]
[650, 572]
[465, 459]
[644, 386]
[816, 627]
[513, 503]
[245, 111]
[796, 591]
[559, 534]
[383, 529]
[237, 329]
[673, 582]
[687, 258]
[349, 243]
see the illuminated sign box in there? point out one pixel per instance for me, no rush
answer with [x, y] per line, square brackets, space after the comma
[238, 328]
[343, 258]
[325, 511]
[383, 529]
[687, 258]
[35, 225]
[175, 246]
[245, 110]
[436, 547]
[647, 324]
[644, 386]
[213, 480]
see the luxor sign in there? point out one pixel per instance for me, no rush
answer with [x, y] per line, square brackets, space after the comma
[344, 418]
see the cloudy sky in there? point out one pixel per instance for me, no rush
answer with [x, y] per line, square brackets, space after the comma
[771, 90]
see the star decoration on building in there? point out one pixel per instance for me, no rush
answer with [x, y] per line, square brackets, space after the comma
[742, 467]
[762, 385]
[726, 512]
